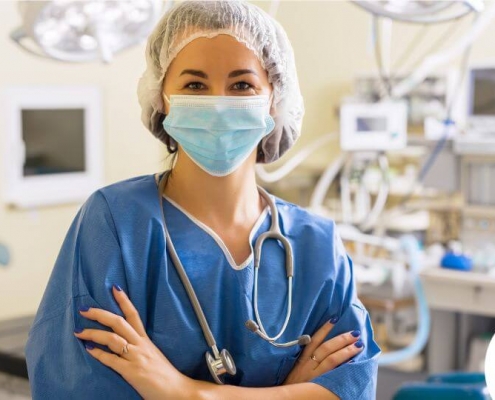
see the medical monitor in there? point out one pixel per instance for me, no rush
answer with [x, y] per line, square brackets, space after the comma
[373, 126]
[59, 149]
[481, 99]
[53, 144]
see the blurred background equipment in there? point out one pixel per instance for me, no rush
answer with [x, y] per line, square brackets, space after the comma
[476, 111]
[54, 144]
[4, 255]
[405, 168]
[376, 127]
[81, 31]
[421, 12]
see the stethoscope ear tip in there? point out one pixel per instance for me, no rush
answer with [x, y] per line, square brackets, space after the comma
[251, 325]
[304, 340]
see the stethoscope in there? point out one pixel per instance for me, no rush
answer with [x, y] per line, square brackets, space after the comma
[221, 362]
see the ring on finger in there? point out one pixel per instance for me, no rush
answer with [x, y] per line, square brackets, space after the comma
[313, 357]
[125, 350]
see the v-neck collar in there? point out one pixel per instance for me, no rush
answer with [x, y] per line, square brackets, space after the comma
[218, 239]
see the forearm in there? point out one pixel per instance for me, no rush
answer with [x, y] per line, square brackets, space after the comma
[206, 391]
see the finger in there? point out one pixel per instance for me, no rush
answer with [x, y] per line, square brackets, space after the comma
[130, 312]
[339, 357]
[335, 344]
[110, 339]
[117, 363]
[118, 323]
[318, 338]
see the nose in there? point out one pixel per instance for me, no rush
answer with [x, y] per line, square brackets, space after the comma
[217, 90]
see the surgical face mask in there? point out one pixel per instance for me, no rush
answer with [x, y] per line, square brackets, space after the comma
[218, 132]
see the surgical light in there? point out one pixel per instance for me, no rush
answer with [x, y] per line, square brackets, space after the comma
[82, 31]
[421, 11]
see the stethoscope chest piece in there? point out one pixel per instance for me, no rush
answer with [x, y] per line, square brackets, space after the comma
[223, 363]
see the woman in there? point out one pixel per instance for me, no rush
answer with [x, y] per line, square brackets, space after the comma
[116, 321]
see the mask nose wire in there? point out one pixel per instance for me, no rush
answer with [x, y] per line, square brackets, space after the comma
[270, 100]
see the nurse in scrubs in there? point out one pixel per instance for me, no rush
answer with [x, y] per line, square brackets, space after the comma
[115, 322]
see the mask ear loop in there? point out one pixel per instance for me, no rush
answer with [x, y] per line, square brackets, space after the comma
[270, 100]
[261, 154]
[172, 145]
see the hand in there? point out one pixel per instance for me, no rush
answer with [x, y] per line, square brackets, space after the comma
[319, 357]
[136, 357]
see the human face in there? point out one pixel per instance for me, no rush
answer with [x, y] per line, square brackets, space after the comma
[218, 66]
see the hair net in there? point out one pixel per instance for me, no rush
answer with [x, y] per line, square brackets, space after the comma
[251, 26]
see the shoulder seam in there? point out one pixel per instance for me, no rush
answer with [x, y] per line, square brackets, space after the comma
[114, 227]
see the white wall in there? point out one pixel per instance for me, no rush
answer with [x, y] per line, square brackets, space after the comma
[330, 40]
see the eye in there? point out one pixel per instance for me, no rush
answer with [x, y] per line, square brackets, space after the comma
[241, 86]
[194, 86]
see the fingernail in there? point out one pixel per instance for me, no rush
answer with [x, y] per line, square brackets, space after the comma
[118, 288]
[333, 320]
[89, 346]
[356, 333]
[77, 330]
[350, 361]
[84, 308]
[359, 344]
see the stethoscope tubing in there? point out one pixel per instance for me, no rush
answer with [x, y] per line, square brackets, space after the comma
[273, 233]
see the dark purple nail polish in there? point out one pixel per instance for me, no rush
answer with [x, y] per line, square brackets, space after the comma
[333, 320]
[77, 330]
[118, 288]
[359, 344]
[84, 308]
[356, 333]
[89, 346]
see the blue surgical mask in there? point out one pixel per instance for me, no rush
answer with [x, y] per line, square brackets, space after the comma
[218, 132]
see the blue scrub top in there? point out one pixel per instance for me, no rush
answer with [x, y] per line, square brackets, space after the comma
[117, 237]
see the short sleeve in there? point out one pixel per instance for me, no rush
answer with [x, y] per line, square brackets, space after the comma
[355, 380]
[89, 262]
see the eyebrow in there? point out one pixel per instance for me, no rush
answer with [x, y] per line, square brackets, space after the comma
[233, 74]
[238, 72]
[194, 72]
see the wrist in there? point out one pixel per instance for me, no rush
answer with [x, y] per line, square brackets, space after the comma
[191, 389]
[201, 390]
[179, 388]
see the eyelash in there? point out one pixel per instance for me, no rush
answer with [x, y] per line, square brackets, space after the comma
[187, 86]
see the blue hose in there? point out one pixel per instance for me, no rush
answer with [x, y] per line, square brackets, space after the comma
[410, 245]
[4, 255]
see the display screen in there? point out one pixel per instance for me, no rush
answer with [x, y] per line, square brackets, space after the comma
[481, 184]
[371, 124]
[483, 92]
[54, 140]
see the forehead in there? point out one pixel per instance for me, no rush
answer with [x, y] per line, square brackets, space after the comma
[221, 52]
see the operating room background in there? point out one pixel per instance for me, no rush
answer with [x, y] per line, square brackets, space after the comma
[331, 44]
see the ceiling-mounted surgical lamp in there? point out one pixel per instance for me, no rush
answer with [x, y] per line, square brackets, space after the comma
[421, 11]
[81, 31]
